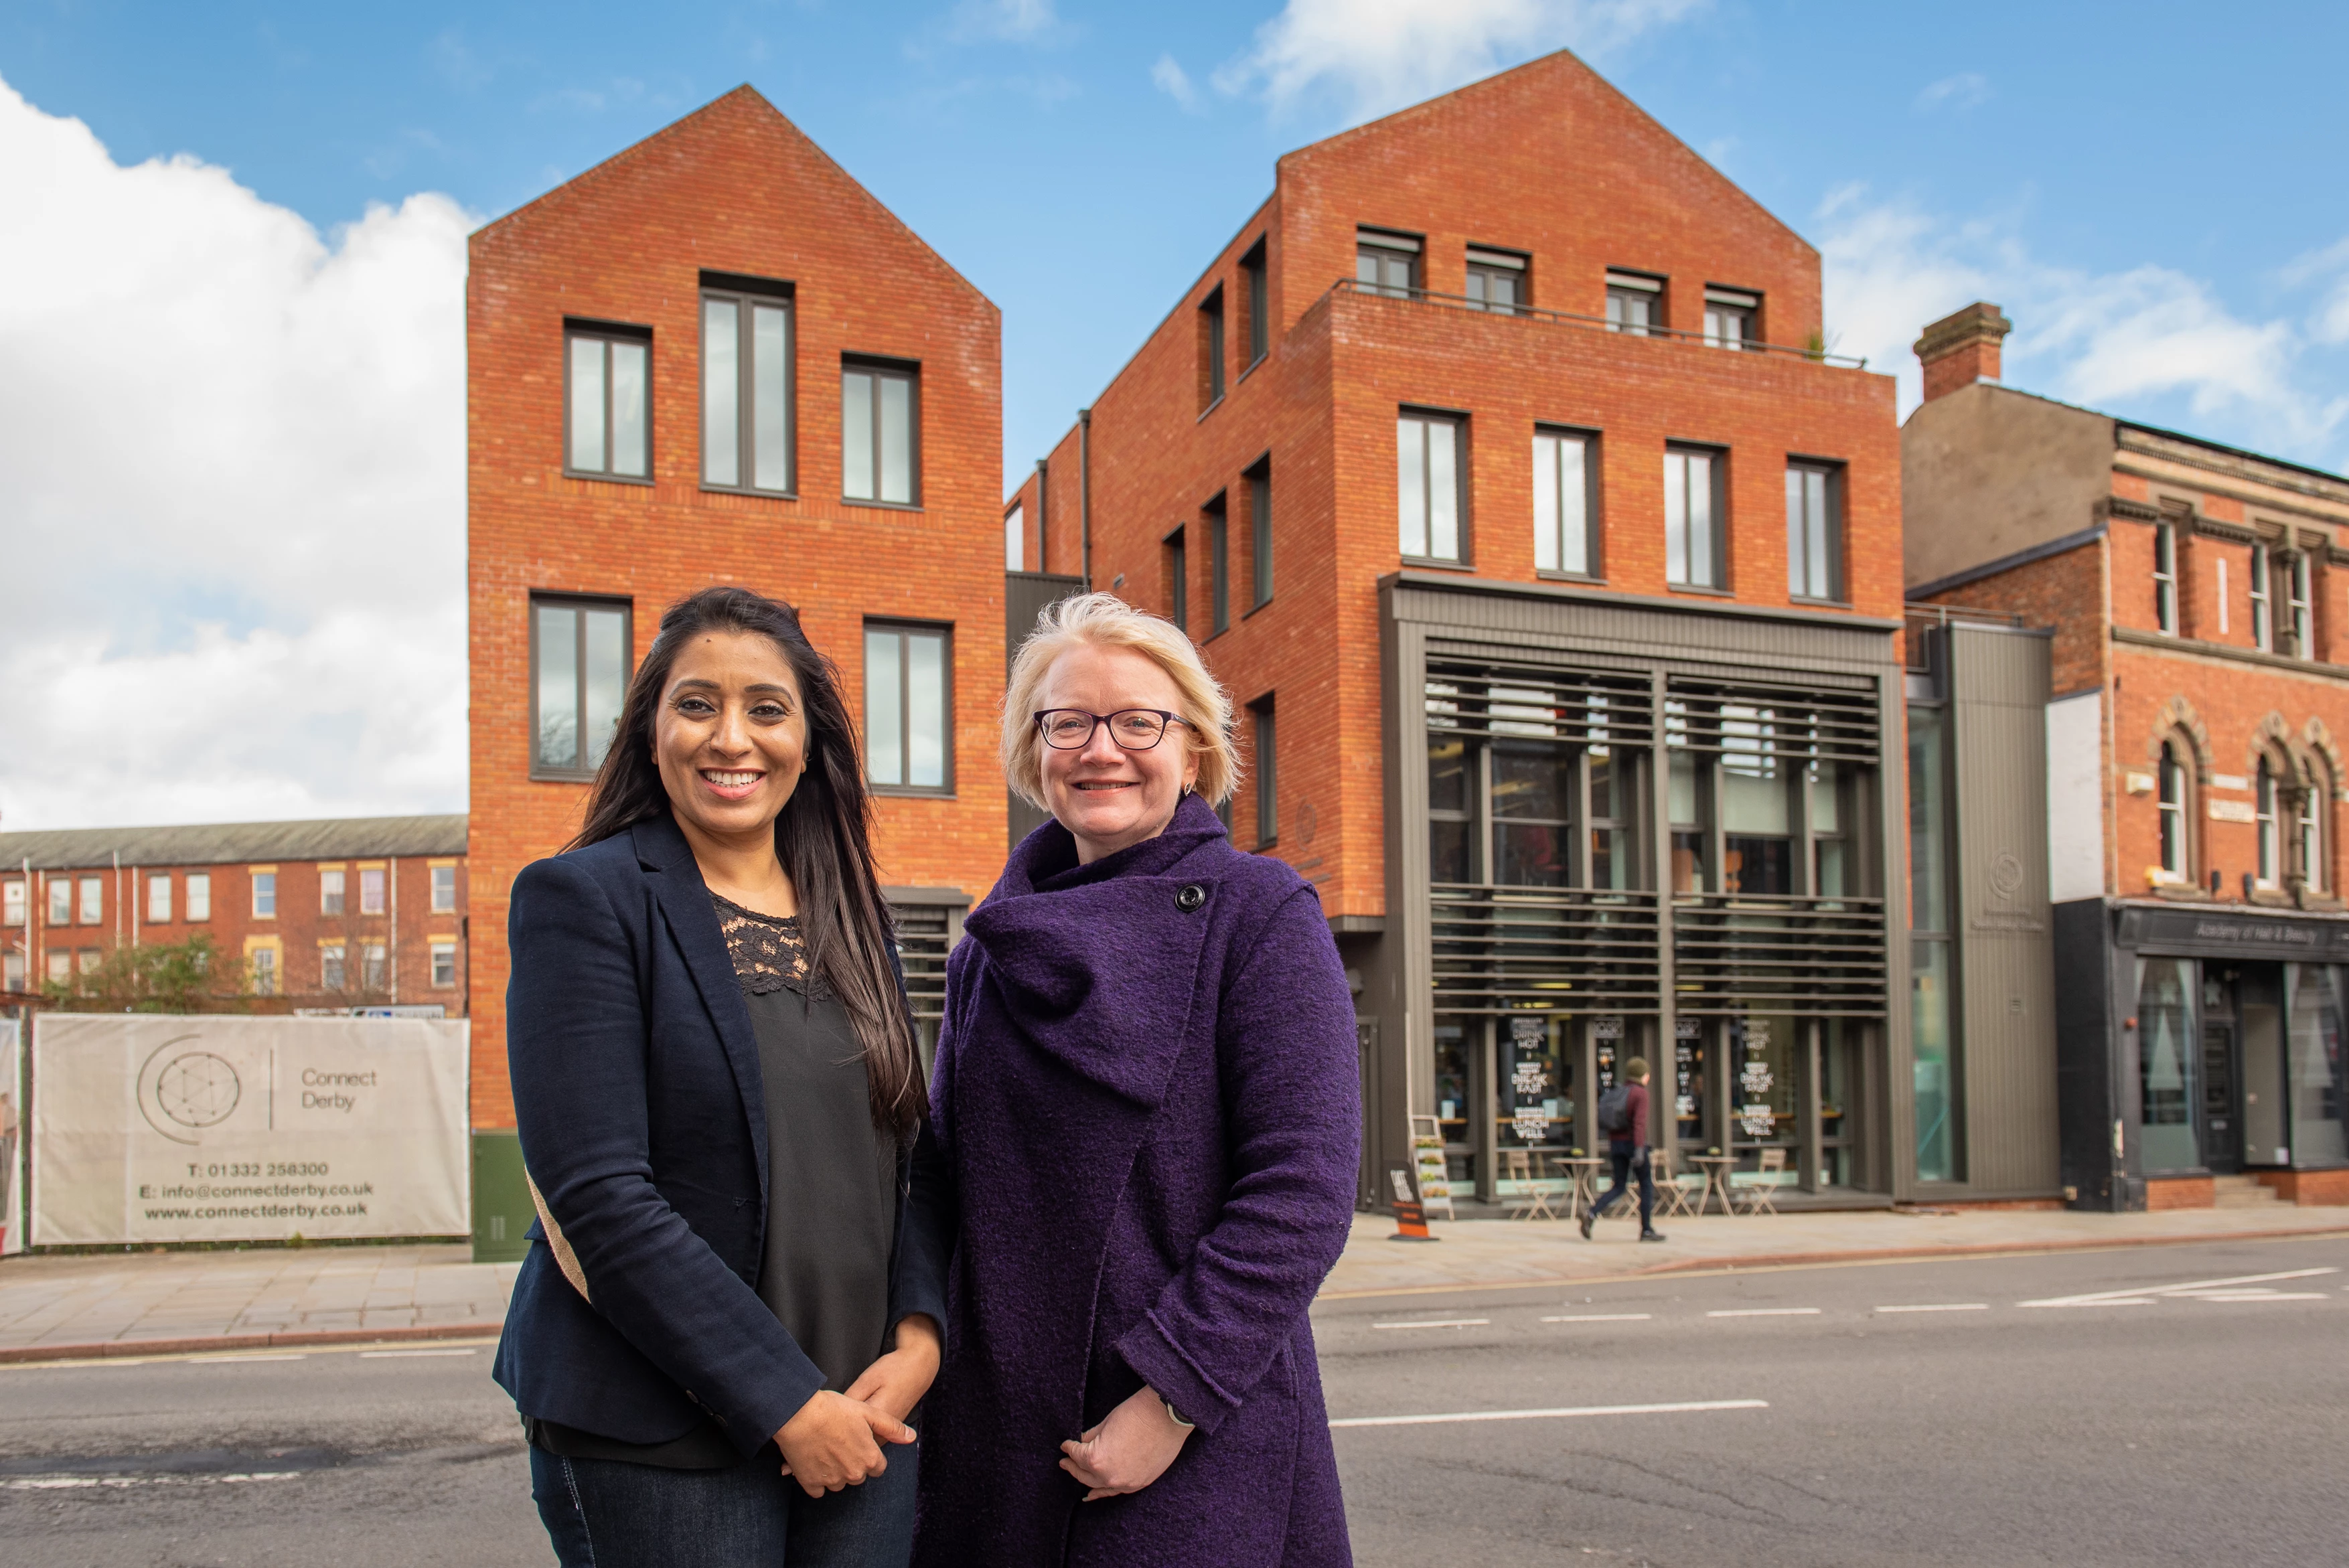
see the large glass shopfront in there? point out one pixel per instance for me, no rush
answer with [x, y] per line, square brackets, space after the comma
[2239, 1066]
[1777, 1092]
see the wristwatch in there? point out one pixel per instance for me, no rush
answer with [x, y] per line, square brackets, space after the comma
[1176, 1415]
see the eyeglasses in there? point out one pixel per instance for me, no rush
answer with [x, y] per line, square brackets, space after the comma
[1133, 728]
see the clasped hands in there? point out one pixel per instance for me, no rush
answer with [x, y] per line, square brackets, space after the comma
[835, 1440]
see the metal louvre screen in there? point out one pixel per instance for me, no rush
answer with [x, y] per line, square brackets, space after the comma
[1511, 698]
[1741, 717]
[925, 935]
[1737, 950]
[1499, 947]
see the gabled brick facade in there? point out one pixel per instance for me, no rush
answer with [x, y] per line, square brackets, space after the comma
[1547, 176]
[1549, 162]
[734, 189]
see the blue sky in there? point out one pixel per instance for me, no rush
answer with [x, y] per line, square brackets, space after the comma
[1027, 141]
[233, 233]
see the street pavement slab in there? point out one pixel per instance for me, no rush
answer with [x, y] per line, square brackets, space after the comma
[84, 1305]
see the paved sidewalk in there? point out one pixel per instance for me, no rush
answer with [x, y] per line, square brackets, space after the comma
[1534, 1251]
[163, 1302]
[174, 1302]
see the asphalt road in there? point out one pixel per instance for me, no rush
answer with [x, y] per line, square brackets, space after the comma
[2205, 1426]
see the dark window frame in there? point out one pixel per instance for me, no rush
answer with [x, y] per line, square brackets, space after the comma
[1459, 422]
[1724, 578]
[1265, 752]
[1627, 284]
[1259, 476]
[1490, 263]
[1745, 305]
[1594, 532]
[608, 333]
[1214, 378]
[880, 368]
[1258, 300]
[1178, 579]
[902, 626]
[1218, 513]
[1386, 246]
[745, 294]
[1838, 548]
[626, 606]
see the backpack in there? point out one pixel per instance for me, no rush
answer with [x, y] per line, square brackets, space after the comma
[1615, 1111]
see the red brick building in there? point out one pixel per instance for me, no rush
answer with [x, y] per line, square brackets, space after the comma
[1496, 465]
[356, 912]
[716, 358]
[2199, 598]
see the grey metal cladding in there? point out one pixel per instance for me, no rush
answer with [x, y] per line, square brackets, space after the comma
[1998, 691]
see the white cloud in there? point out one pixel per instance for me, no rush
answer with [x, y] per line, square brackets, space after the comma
[1379, 54]
[2331, 322]
[1170, 78]
[234, 524]
[1965, 90]
[2148, 342]
[1012, 19]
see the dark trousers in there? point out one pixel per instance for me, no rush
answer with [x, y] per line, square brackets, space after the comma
[609, 1513]
[1626, 1159]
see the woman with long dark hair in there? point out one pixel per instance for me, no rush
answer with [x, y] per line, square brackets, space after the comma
[734, 1302]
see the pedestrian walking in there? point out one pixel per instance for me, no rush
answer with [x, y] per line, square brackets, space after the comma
[1623, 1117]
[733, 1301]
[1145, 1092]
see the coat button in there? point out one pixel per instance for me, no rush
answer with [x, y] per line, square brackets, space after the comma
[1190, 897]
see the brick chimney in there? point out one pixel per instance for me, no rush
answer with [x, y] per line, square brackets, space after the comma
[1961, 349]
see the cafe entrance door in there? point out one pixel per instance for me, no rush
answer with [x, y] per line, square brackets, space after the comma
[2219, 1129]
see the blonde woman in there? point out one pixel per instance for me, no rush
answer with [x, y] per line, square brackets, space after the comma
[1145, 1096]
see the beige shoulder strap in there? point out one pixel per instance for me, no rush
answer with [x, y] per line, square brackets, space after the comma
[557, 1244]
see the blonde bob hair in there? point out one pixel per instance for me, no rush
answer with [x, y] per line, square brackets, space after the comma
[1105, 621]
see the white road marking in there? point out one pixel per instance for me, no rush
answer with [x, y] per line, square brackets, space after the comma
[402, 1355]
[271, 1356]
[1560, 1413]
[1767, 1311]
[1942, 1306]
[2256, 1295]
[113, 1483]
[1437, 1323]
[1605, 1317]
[2142, 1296]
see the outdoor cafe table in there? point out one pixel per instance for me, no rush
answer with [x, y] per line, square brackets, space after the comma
[1584, 1170]
[1715, 1169]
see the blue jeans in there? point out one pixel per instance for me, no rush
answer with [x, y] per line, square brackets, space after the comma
[1626, 1159]
[609, 1513]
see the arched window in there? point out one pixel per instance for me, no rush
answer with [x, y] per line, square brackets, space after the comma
[2174, 850]
[2270, 872]
[2314, 814]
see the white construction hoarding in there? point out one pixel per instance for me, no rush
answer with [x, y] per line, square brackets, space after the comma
[12, 1139]
[207, 1128]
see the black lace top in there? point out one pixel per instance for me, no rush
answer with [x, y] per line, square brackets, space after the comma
[769, 954]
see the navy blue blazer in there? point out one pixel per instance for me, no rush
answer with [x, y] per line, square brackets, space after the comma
[637, 1091]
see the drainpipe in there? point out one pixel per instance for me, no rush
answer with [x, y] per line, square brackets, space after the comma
[391, 874]
[1043, 515]
[1085, 492]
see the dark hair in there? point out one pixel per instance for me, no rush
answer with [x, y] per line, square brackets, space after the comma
[1637, 1067]
[823, 836]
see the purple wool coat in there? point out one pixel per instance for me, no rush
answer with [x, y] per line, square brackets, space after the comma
[1146, 1092]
